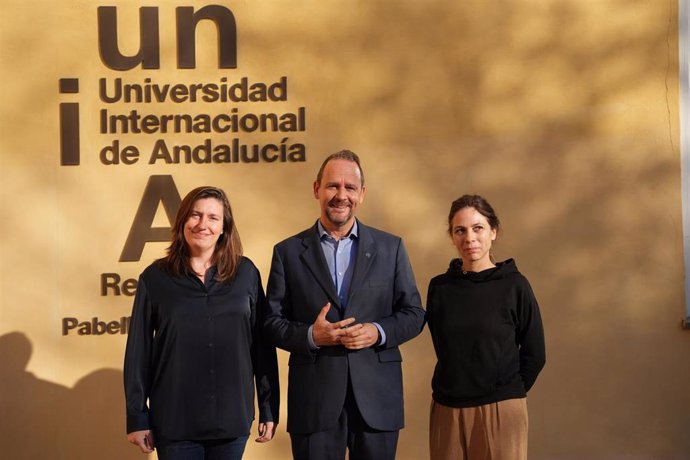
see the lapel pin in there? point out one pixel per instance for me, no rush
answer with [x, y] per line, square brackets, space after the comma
[368, 254]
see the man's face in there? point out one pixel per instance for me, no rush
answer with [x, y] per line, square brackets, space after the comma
[339, 193]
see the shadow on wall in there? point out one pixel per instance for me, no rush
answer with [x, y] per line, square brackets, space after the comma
[41, 419]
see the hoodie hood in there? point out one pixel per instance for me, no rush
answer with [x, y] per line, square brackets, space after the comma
[501, 270]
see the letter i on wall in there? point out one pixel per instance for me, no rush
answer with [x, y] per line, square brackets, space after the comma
[69, 124]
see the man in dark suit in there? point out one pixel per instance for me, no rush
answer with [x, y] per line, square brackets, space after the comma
[341, 298]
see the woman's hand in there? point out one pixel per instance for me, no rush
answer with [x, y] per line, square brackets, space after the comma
[266, 431]
[143, 439]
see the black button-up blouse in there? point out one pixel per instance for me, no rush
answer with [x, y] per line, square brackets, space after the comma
[195, 352]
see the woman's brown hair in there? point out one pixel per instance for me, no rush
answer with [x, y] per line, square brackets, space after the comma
[477, 202]
[228, 252]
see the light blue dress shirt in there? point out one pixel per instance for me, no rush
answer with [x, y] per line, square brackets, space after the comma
[341, 256]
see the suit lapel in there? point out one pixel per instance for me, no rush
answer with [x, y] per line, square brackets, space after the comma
[366, 253]
[313, 258]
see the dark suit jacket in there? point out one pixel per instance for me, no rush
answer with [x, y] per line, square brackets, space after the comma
[383, 290]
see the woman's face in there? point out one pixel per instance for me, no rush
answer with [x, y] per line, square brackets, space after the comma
[204, 226]
[472, 236]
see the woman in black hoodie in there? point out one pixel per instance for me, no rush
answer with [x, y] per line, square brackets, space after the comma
[489, 342]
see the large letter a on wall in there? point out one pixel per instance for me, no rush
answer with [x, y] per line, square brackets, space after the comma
[159, 189]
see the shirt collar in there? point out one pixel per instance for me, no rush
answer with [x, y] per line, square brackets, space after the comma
[323, 233]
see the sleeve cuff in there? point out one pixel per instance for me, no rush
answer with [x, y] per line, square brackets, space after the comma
[310, 338]
[382, 335]
[138, 422]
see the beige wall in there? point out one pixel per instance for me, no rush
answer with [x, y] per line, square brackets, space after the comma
[563, 113]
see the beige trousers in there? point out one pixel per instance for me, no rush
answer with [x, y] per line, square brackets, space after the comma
[495, 431]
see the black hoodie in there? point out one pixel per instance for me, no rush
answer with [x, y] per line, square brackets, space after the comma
[487, 333]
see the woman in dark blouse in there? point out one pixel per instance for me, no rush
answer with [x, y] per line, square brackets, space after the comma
[489, 342]
[195, 350]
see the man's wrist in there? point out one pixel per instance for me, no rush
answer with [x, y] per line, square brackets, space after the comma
[382, 335]
[310, 338]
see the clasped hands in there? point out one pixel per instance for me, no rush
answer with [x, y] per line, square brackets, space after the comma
[353, 337]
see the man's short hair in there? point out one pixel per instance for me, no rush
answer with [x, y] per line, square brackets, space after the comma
[347, 155]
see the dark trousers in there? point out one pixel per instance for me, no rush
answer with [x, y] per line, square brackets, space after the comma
[351, 432]
[217, 449]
